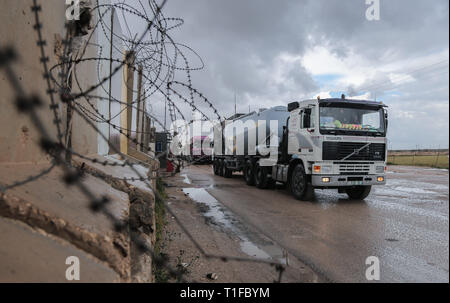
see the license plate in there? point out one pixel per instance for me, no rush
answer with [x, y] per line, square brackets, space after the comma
[356, 182]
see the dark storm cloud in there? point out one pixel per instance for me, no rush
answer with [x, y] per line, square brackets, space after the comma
[406, 28]
[240, 41]
[254, 48]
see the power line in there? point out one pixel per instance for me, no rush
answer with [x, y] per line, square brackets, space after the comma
[404, 77]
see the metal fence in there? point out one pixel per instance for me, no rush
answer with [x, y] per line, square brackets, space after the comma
[436, 158]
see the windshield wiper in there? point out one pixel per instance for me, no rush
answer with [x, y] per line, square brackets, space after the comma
[333, 131]
[374, 134]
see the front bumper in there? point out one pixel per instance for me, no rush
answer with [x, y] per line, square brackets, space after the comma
[342, 180]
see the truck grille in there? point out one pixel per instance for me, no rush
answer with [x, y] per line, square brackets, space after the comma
[340, 150]
[354, 169]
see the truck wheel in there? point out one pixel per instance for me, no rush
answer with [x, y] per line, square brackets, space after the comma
[223, 169]
[220, 168]
[227, 173]
[216, 167]
[299, 185]
[248, 173]
[261, 179]
[358, 192]
[272, 184]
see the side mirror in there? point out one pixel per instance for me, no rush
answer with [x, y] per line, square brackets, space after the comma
[386, 119]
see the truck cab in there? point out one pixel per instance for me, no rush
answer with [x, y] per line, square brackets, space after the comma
[334, 143]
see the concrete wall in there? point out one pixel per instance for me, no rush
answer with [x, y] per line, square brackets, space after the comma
[18, 137]
[48, 204]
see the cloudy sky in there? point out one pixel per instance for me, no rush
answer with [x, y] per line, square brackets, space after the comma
[271, 53]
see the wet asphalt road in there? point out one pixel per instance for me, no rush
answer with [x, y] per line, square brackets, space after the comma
[405, 224]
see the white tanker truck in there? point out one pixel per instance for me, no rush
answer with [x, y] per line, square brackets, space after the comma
[318, 144]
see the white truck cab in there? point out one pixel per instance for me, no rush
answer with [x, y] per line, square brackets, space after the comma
[341, 143]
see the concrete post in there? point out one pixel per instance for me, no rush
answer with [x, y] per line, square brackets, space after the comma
[140, 110]
[127, 100]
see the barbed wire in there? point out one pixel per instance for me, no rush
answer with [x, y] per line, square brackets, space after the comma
[151, 50]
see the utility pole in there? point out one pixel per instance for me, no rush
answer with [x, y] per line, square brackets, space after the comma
[235, 103]
[437, 157]
[165, 115]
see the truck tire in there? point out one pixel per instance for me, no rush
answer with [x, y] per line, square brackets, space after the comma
[220, 167]
[272, 184]
[227, 173]
[249, 173]
[261, 180]
[358, 192]
[216, 167]
[300, 188]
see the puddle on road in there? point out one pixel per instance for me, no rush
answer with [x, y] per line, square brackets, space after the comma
[225, 218]
[410, 188]
[252, 250]
[215, 211]
[186, 179]
[413, 190]
[407, 196]
[436, 169]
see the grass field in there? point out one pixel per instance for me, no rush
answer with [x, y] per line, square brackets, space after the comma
[420, 160]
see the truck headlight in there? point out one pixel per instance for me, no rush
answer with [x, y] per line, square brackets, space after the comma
[379, 169]
[380, 179]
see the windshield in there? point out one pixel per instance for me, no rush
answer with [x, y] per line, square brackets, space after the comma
[358, 121]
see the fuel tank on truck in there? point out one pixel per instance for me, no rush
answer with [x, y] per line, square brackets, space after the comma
[237, 132]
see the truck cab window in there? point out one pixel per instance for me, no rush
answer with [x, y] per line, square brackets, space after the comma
[355, 120]
[308, 118]
[372, 118]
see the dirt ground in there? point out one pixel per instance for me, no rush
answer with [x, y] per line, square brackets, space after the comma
[216, 240]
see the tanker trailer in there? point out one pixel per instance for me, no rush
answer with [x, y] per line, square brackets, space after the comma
[244, 137]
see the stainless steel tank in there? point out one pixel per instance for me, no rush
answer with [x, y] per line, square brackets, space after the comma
[277, 113]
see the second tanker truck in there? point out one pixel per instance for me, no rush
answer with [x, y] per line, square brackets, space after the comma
[334, 143]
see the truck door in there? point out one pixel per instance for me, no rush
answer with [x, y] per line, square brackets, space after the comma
[303, 126]
[307, 129]
[293, 132]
